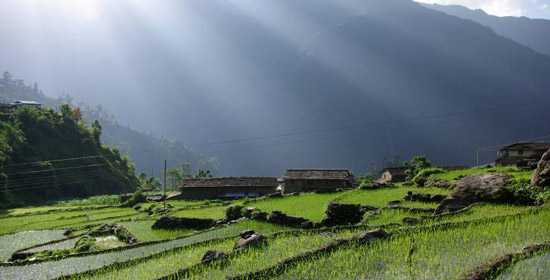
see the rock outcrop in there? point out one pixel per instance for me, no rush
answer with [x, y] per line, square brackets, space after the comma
[117, 230]
[424, 197]
[177, 223]
[477, 188]
[373, 234]
[280, 218]
[541, 177]
[343, 214]
[212, 255]
[248, 239]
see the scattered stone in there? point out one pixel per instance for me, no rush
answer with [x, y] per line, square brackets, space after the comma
[343, 214]
[434, 182]
[248, 239]
[117, 230]
[212, 255]
[410, 220]
[227, 203]
[168, 222]
[414, 196]
[373, 234]
[376, 186]
[541, 177]
[477, 188]
[394, 202]
[278, 217]
[325, 234]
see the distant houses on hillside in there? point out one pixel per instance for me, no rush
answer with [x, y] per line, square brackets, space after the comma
[295, 180]
[9, 107]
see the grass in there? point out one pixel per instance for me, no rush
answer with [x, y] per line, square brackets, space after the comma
[216, 213]
[535, 268]
[392, 216]
[511, 170]
[17, 241]
[142, 230]
[418, 204]
[81, 264]
[280, 248]
[61, 219]
[483, 211]
[93, 200]
[441, 253]
[311, 206]
[381, 197]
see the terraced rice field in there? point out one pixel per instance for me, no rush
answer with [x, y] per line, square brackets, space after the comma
[434, 247]
[10, 243]
[536, 268]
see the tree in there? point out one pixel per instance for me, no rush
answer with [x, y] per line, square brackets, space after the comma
[96, 131]
[175, 176]
[7, 77]
[416, 164]
[203, 174]
[186, 170]
[67, 112]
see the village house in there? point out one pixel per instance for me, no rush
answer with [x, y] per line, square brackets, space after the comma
[393, 175]
[31, 104]
[307, 180]
[226, 187]
[521, 154]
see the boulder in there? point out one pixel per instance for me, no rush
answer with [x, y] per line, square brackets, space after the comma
[434, 182]
[343, 214]
[414, 196]
[212, 255]
[542, 173]
[248, 239]
[117, 230]
[280, 218]
[373, 234]
[477, 188]
[177, 223]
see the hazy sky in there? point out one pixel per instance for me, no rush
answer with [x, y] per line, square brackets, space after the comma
[528, 8]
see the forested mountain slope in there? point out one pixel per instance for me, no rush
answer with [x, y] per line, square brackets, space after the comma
[145, 150]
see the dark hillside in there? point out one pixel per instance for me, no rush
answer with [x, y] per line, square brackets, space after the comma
[32, 135]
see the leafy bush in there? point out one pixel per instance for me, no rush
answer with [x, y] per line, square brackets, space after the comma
[422, 175]
[136, 198]
[525, 193]
[233, 212]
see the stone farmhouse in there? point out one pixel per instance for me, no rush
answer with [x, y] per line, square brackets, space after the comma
[307, 180]
[521, 154]
[226, 187]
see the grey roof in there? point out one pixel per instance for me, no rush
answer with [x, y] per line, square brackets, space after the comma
[27, 102]
[395, 171]
[318, 174]
[220, 182]
[528, 146]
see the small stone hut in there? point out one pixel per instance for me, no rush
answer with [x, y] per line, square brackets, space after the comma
[227, 187]
[521, 154]
[393, 175]
[307, 180]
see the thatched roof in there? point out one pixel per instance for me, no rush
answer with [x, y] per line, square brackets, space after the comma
[528, 146]
[220, 182]
[317, 174]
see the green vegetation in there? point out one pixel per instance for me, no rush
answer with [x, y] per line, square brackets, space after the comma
[30, 135]
[93, 200]
[381, 197]
[422, 176]
[21, 240]
[216, 213]
[418, 204]
[431, 253]
[311, 206]
[392, 216]
[142, 230]
[536, 268]
[65, 219]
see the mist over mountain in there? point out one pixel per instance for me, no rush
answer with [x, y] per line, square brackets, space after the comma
[146, 151]
[530, 32]
[336, 83]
